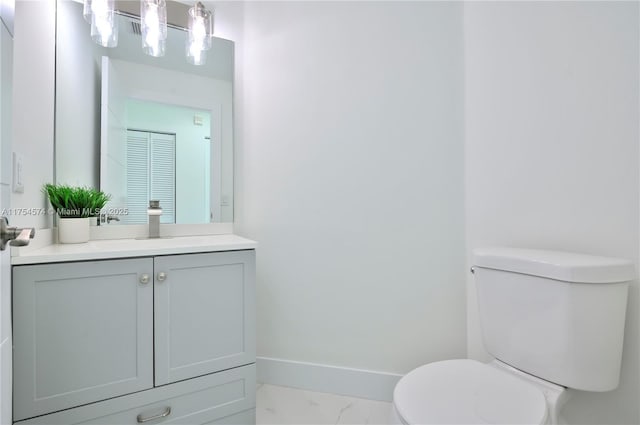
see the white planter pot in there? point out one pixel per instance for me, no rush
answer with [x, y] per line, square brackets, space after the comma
[73, 230]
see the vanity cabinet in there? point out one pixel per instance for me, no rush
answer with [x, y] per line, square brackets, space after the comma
[164, 339]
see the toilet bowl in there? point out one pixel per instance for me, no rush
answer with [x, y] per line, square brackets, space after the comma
[555, 320]
[470, 392]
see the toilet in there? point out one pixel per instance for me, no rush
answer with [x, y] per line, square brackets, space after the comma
[553, 321]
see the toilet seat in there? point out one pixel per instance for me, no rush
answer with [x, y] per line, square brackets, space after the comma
[467, 392]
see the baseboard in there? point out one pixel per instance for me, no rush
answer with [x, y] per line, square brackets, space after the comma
[360, 383]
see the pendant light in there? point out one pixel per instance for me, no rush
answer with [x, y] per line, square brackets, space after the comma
[200, 33]
[153, 20]
[104, 25]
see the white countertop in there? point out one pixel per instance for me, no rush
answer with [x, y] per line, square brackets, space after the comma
[124, 248]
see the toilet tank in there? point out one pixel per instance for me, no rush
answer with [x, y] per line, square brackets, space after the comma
[555, 315]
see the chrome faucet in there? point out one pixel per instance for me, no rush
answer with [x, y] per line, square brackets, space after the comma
[18, 237]
[154, 212]
[107, 218]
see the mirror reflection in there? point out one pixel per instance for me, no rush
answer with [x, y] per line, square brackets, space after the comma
[140, 127]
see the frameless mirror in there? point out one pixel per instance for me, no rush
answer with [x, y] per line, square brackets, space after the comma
[140, 127]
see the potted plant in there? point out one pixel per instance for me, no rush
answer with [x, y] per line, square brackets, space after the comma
[75, 206]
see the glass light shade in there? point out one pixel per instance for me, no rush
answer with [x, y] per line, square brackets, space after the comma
[86, 10]
[104, 25]
[92, 7]
[153, 20]
[195, 55]
[200, 34]
[154, 48]
[104, 29]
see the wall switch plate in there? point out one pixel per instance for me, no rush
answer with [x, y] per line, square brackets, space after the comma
[197, 120]
[18, 173]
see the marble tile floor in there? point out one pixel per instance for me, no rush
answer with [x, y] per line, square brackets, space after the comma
[289, 406]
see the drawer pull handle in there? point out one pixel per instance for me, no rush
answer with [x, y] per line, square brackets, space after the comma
[144, 278]
[164, 414]
[162, 276]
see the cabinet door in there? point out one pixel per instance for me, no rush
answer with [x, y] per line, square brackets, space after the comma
[204, 313]
[83, 332]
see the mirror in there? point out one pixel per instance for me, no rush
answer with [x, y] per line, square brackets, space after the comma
[142, 128]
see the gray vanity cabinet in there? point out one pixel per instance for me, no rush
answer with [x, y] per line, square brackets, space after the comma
[82, 332]
[170, 338]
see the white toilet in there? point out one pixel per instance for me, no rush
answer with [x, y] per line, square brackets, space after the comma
[552, 320]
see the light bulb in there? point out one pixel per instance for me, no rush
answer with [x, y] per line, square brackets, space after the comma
[195, 55]
[104, 23]
[153, 17]
[200, 34]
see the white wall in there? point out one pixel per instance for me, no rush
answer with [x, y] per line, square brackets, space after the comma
[33, 103]
[352, 180]
[552, 148]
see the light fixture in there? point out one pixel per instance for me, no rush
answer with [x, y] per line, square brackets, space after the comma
[103, 18]
[104, 25]
[199, 34]
[153, 22]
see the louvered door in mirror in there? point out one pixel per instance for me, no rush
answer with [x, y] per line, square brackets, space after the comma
[151, 174]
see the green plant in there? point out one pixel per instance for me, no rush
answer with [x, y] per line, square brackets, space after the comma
[75, 201]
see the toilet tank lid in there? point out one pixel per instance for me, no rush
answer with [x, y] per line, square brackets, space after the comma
[558, 265]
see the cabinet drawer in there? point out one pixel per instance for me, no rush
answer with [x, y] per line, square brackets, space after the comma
[224, 397]
[83, 332]
[204, 307]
